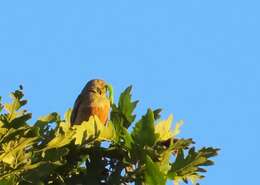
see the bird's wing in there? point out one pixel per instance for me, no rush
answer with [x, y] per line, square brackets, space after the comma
[75, 109]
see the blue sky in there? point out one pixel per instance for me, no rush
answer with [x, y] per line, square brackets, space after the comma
[196, 59]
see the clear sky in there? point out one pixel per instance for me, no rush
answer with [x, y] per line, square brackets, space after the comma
[197, 59]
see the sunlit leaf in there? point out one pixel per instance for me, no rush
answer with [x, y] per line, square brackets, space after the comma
[176, 130]
[49, 118]
[107, 132]
[13, 107]
[13, 148]
[163, 129]
[63, 136]
[164, 161]
[153, 175]
[55, 152]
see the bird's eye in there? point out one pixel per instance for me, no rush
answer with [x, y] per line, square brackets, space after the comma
[99, 91]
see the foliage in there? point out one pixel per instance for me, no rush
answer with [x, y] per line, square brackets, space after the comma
[52, 151]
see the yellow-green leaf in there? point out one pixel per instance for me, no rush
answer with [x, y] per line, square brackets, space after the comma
[108, 132]
[12, 148]
[163, 129]
[176, 130]
[80, 132]
[63, 136]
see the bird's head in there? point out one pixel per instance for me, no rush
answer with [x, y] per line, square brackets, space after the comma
[102, 88]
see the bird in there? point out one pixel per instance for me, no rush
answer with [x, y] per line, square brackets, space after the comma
[95, 99]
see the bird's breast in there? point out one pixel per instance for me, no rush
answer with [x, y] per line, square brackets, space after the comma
[99, 106]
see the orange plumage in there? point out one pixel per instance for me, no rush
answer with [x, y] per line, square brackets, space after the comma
[92, 100]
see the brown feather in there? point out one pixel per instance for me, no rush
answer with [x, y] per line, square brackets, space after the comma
[91, 102]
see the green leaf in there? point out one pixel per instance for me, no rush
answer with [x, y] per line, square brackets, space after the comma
[124, 112]
[41, 170]
[56, 154]
[46, 130]
[13, 133]
[111, 93]
[13, 107]
[53, 151]
[181, 144]
[143, 132]
[153, 175]
[49, 118]
[164, 161]
[126, 105]
[14, 149]
[10, 180]
[156, 113]
[123, 138]
[1, 106]
[21, 120]
[189, 167]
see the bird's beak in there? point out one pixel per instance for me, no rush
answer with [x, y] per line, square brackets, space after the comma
[111, 93]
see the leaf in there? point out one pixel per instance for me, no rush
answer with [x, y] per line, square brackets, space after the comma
[143, 132]
[68, 115]
[153, 175]
[124, 112]
[38, 171]
[180, 144]
[13, 107]
[88, 129]
[81, 131]
[96, 165]
[103, 132]
[122, 137]
[13, 133]
[46, 126]
[176, 130]
[94, 128]
[21, 120]
[55, 154]
[164, 161]
[156, 113]
[53, 151]
[163, 129]
[3, 130]
[49, 118]
[126, 105]
[111, 93]
[14, 148]
[189, 167]
[1, 106]
[107, 132]
[63, 136]
[10, 180]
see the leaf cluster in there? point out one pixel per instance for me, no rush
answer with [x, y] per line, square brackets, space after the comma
[54, 152]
